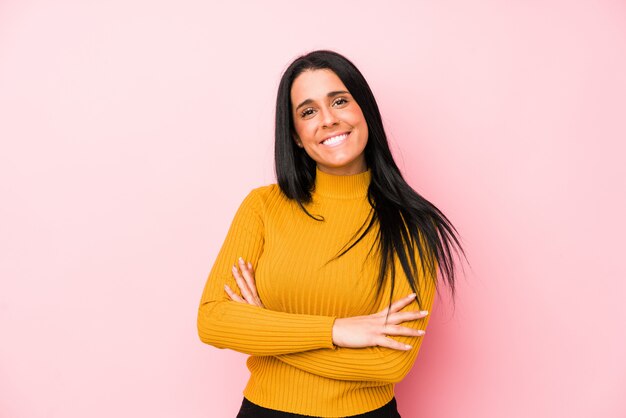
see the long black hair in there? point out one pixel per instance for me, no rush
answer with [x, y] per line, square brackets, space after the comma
[409, 226]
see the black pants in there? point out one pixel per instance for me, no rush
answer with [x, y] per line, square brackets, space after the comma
[250, 410]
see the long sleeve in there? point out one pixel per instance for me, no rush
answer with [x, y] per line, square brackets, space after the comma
[373, 363]
[304, 286]
[245, 328]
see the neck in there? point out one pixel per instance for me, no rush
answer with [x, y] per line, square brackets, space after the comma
[342, 187]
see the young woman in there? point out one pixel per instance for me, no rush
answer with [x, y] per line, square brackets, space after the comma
[335, 267]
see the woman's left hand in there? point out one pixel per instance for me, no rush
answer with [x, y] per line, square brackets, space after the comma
[246, 283]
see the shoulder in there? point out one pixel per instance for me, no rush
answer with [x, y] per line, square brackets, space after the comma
[263, 197]
[265, 191]
[270, 193]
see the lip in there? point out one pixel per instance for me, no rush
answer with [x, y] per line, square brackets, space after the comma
[334, 135]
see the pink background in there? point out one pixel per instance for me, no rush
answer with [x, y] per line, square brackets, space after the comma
[132, 129]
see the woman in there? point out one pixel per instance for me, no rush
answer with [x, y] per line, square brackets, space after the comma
[336, 265]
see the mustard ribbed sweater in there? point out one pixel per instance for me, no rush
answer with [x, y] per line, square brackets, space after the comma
[293, 364]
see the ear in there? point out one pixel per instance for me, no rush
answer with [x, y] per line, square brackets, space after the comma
[297, 140]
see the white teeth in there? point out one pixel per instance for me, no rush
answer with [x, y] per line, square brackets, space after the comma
[335, 139]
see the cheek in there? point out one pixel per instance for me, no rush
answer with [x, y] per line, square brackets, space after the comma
[355, 118]
[362, 119]
[303, 130]
[360, 122]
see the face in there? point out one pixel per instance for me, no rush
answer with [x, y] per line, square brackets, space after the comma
[329, 123]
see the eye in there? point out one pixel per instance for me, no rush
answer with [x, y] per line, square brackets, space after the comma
[308, 112]
[340, 101]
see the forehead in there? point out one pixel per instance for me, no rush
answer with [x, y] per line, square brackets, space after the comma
[315, 85]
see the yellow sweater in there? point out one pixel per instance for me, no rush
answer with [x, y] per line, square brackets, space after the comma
[293, 363]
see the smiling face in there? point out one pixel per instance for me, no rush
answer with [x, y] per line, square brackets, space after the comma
[329, 123]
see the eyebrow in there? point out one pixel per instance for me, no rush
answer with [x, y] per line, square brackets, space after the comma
[330, 94]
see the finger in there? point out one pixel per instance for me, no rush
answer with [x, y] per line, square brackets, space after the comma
[232, 295]
[243, 287]
[399, 304]
[248, 276]
[402, 303]
[400, 331]
[393, 344]
[400, 317]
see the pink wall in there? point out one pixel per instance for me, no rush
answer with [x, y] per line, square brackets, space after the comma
[132, 129]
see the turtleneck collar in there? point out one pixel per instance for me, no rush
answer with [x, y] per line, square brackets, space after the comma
[342, 187]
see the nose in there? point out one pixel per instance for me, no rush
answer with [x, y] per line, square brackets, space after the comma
[328, 118]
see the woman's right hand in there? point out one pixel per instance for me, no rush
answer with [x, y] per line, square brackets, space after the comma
[375, 329]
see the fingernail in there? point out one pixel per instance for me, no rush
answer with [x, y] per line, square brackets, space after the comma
[421, 332]
[424, 312]
[240, 260]
[249, 265]
[408, 347]
[234, 269]
[411, 296]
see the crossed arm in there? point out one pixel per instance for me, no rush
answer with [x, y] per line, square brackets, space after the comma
[377, 347]
[364, 349]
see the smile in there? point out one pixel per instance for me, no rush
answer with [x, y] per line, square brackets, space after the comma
[335, 140]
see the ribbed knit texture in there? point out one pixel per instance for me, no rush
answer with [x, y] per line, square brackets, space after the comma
[294, 365]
